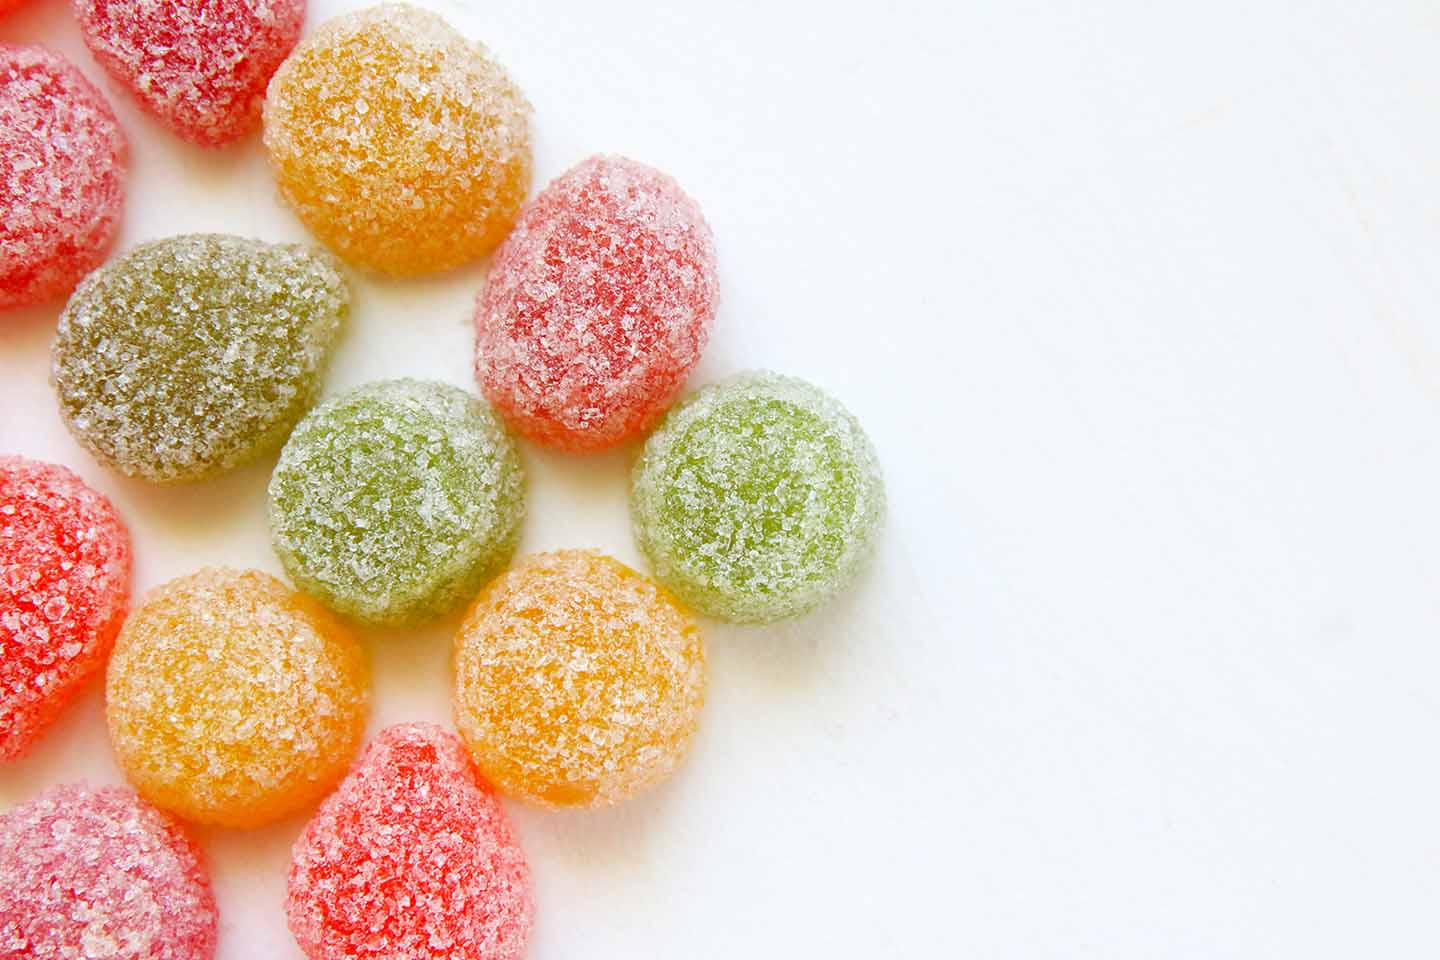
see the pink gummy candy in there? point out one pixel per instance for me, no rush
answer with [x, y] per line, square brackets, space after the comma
[64, 587]
[597, 307]
[411, 857]
[62, 170]
[200, 66]
[100, 873]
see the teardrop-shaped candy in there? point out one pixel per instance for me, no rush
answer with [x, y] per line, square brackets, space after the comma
[411, 857]
[597, 306]
[200, 66]
[191, 355]
[64, 586]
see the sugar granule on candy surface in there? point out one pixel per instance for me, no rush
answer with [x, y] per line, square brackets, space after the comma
[402, 146]
[96, 872]
[578, 682]
[189, 356]
[757, 499]
[64, 588]
[200, 66]
[233, 700]
[598, 305]
[393, 502]
[412, 856]
[62, 175]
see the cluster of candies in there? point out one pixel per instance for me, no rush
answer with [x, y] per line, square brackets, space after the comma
[232, 699]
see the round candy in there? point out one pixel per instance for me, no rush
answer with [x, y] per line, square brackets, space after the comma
[64, 586]
[597, 307]
[403, 147]
[189, 356]
[578, 682]
[757, 499]
[395, 501]
[88, 872]
[411, 857]
[62, 173]
[200, 66]
[233, 700]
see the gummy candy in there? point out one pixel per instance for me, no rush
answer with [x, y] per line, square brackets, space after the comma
[411, 857]
[392, 503]
[64, 586]
[7, 5]
[757, 499]
[200, 66]
[578, 682]
[62, 173]
[191, 355]
[597, 307]
[233, 700]
[402, 146]
[87, 872]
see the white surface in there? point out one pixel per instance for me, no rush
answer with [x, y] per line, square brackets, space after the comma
[1140, 304]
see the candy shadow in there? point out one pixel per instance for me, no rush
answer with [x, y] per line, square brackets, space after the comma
[30, 328]
[203, 512]
[605, 839]
[71, 742]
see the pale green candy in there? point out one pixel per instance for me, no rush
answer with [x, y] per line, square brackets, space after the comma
[758, 499]
[188, 356]
[394, 502]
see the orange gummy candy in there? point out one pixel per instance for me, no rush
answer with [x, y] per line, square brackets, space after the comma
[402, 146]
[578, 681]
[233, 700]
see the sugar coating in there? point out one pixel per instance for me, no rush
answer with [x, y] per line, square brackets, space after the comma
[64, 587]
[411, 857]
[62, 175]
[200, 66]
[233, 700]
[189, 356]
[96, 872]
[598, 305]
[578, 682]
[401, 145]
[394, 502]
[757, 499]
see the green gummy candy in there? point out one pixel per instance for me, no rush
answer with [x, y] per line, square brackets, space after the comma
[188, 356]
[394, 502]
[758, 499]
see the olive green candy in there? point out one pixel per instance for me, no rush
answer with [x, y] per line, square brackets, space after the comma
[394, 502]
[188, 356]
[758, 499]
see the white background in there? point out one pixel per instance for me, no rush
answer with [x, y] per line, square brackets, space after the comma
[1140, 303]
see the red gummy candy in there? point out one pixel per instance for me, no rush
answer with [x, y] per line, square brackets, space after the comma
[62, 169]
[597, 307]
[101, 873]
[200, 66]
[7, 5]
[64, 587]
[411, 857]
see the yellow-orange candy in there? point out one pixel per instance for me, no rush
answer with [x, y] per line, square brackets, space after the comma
[401, 145]
[233, 700]
[578, 682]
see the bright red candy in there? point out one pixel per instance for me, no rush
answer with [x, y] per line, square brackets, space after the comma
[597, 307]
[62, 170]
[7, 5]
[100, 873]
[64, 587]
[200, 66]
[411, 857]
